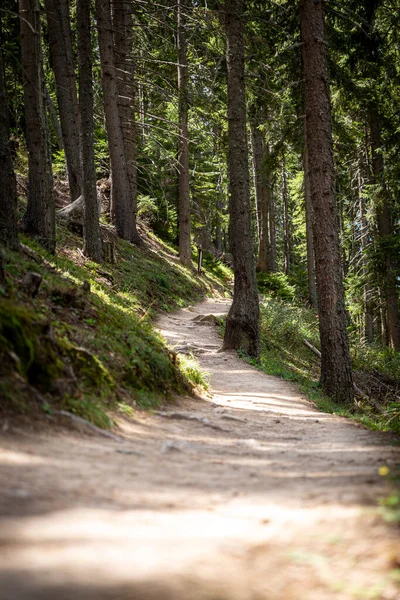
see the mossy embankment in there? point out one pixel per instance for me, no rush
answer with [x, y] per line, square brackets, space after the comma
[85, 343]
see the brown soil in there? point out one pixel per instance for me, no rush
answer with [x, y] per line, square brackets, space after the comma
[247, 494]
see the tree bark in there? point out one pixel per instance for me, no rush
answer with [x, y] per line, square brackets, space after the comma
[242, 320]
[336, 375]
[263, 198]
[257, 145]
[60, 38]
[385, 230]
[272, 255]
[183, 109]
[287, 234]
[312, 288]
[39, 219]
[123, 42]
[8, 187]
[122, 202]
[91, 226]
[368, 330]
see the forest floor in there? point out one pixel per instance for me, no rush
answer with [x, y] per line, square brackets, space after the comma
[248, 493]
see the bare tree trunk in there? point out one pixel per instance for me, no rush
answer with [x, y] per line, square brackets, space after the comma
[54, 119]
[336, 375]
[123, 41]
[287, 234]
[40, 214]
[368, 329]
[242, 320]
[122, 202]
[272, 255]
[91, 226]
[257, 144]
[60, 38]
[8, 187]
[184, 191]
[385, 229]
[312, 288]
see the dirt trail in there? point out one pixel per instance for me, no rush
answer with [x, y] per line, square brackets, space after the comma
[251, 494]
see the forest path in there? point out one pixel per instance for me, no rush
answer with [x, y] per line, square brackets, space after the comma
[249, 494]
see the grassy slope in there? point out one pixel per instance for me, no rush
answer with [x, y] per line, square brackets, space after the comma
[283, 327]
[88, 352]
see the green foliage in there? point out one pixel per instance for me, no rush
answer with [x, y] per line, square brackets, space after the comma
[283, 327]
[190, 369]
[276, 284]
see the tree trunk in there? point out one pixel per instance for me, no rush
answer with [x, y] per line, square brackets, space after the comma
[287, 234]
[122, 202]
[123, 41]
[312, 288]
[368, 329]
[257, 144]
[272, 256]
[54, 119]
[91, 226]
[183, 187]
[385, 230]
[336, 375]
[242, 320]
[39, 219]
[60, 39]
[8, 187]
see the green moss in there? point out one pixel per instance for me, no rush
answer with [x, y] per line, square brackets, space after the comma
[17, 333]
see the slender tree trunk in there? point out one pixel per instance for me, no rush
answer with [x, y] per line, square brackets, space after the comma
[263, 198]
[368, 329]
[123, 42]
[272, 254]
[8, 187]
[184, 192]
[91, 226]
[385, 229]
[40, 214]
[257, 144]
[312, 288]
[60, 38]
[336, 375]
[122, 202]
[287, 234]
[242, 321]
[54, 119]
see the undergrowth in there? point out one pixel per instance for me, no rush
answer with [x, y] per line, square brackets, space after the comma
[92, 352]
[283, 327]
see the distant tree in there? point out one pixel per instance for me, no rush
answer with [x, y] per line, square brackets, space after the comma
[122, 200]
[124, 64]
[312, 288]
[336, 375]
[183, 167]
[8, 187]
[242, 321]
[39, 219]
[60, 42]
[91, 226]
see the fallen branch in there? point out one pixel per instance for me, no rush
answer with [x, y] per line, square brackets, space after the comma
[32, 254]
[312, 348]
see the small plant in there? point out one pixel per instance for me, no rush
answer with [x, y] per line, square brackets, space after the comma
[277, 285]
[191, 371]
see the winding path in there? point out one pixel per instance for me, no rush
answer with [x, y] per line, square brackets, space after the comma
[247, 494]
